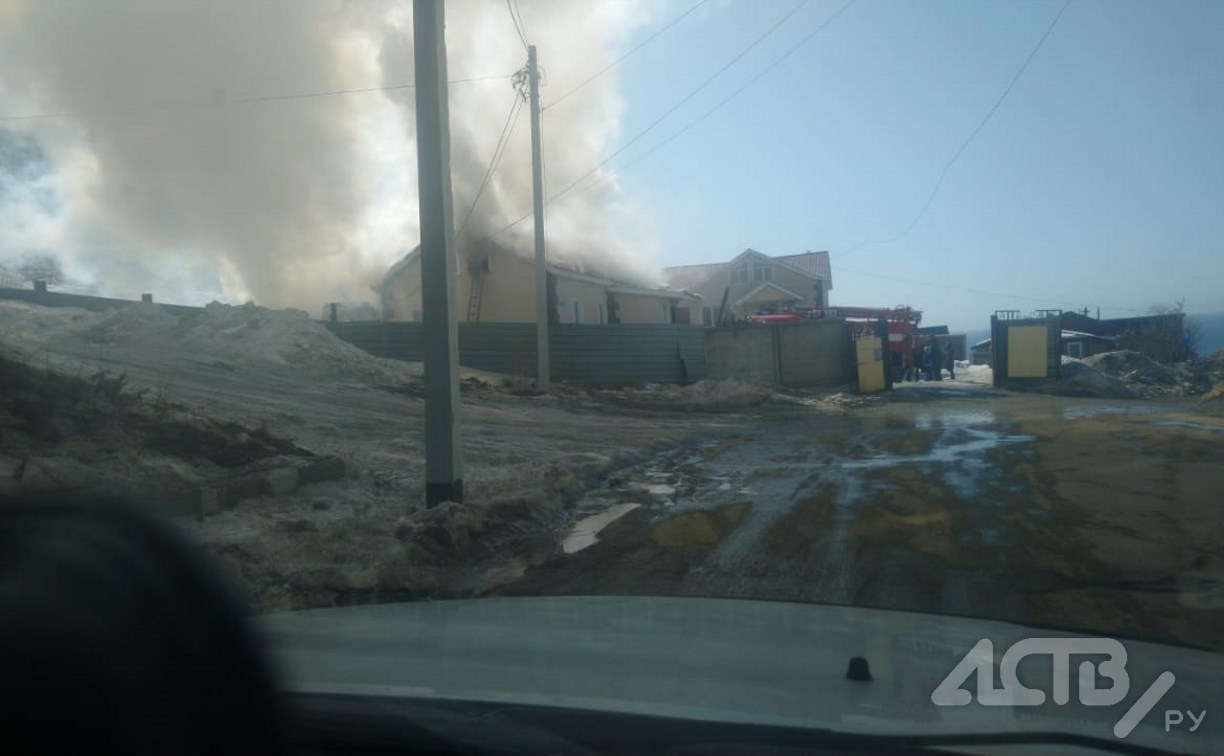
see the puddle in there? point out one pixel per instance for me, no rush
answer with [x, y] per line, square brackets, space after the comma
[928, 420]
[1188, 424]
[1076, 413]
[586, 531]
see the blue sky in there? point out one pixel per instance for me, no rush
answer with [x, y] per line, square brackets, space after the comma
[1099, 180]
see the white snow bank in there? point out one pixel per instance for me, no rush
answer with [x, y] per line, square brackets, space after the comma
[239, 335]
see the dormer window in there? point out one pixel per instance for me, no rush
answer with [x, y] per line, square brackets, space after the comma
[762, 273]
[739, 275]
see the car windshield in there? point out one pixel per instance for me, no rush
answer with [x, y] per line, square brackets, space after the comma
[890, 306]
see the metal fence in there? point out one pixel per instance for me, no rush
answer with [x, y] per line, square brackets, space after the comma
[589, 355]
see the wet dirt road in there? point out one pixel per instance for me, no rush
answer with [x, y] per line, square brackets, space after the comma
[951, 499]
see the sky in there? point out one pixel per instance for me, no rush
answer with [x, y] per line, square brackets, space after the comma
[1098, 181]
[956, 156]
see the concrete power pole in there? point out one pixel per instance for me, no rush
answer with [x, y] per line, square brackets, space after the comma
[443, 451]
[537, 192]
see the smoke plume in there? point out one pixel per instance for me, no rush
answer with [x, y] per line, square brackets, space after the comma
[188, 148]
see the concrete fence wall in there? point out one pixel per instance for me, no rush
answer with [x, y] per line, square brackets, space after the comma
[814, 353]
[589, 355]
[744, 353]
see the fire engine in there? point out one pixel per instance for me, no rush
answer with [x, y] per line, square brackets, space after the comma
[903, 342]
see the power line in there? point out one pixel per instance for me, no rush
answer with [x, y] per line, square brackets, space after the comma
[631, 51]
[265, 98]
[684, 99]
[660, 119]
[521, 35]
[519, 12]
[968, 290]
[498, 151]
[977, 129]
[733, 95]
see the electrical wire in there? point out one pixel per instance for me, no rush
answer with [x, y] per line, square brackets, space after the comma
[684, 99]
[521, 35]
[972, 135]
[502, 142]
[266, 98]
[519, 12]
[967, 290]
[631, 51]
[790, 51]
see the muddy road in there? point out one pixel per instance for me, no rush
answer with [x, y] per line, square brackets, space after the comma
[954, 499]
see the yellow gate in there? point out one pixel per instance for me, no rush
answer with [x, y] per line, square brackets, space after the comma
[1026, 351]
[869, 352]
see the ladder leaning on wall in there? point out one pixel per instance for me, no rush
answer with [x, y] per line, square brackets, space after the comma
[474, 294]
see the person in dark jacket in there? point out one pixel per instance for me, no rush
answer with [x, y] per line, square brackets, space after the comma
[950, 361]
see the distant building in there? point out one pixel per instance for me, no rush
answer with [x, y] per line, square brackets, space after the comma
[754, 283]
[497, 285]
[1161, 336]
[1075, 344]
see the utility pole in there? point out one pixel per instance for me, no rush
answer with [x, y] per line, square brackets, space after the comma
[443, 451]
[537, 194]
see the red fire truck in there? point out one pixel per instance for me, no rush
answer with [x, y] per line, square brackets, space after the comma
[903, 342]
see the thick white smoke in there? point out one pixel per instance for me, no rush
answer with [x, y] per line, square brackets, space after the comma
[164, 168]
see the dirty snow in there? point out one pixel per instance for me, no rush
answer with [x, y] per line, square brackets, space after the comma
[232, 337]
[367, 537]
[1133, 367]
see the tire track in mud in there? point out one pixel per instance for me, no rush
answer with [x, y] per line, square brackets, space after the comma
[821, 523]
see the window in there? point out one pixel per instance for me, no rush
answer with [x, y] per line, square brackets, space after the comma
[1075, 349]
[739, 275]
[602, 312]
[577, 311]
[666, 311]
[762, 273]
[707, 316]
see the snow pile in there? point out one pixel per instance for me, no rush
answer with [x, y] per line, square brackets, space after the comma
[1133, 367]
[240, 335]
[22, 322]
[728, 393]
[137, 323]
[841, 402]
[1078, 378]
[286, 337]
[1129, 375]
